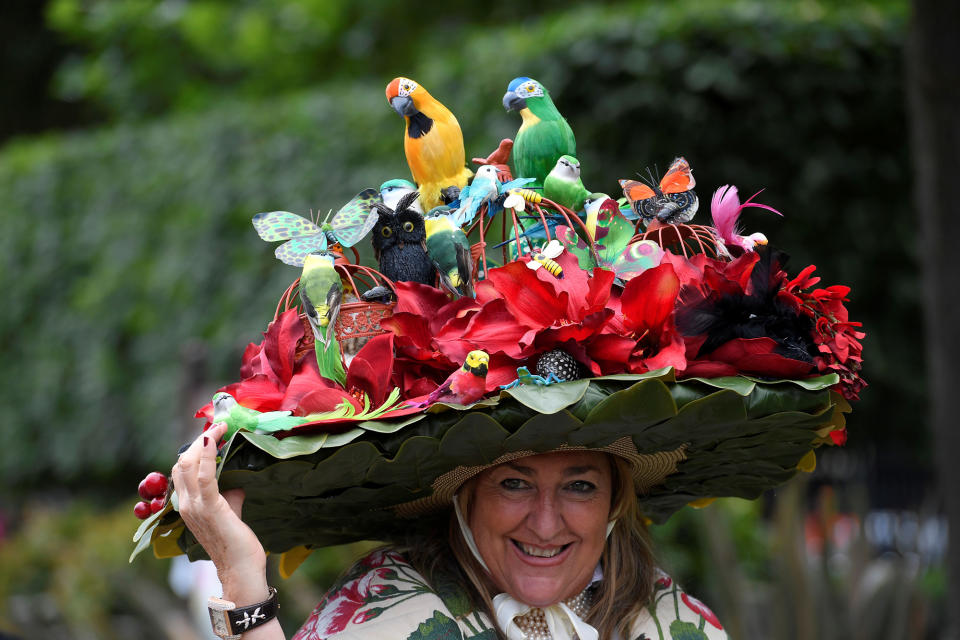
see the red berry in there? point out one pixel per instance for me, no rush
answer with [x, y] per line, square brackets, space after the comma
[153, 486]
[142, 510]
[157, 503]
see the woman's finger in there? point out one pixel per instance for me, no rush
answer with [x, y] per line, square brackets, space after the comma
[207, 464]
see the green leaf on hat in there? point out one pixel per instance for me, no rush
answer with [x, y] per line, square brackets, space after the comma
[548, 398]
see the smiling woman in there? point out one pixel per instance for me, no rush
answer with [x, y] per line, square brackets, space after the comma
[539, 547]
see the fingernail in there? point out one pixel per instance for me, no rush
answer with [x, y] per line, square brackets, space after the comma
[205, 440]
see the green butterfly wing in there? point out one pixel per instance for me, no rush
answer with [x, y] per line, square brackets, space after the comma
[575, 245]
[295, 252]
[355, 219]
[613, 236]
[283, 225]
[637, 258]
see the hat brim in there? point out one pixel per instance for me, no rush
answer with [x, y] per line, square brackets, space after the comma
[717, 437]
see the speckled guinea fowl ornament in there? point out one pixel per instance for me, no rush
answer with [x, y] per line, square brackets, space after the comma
[559, 363]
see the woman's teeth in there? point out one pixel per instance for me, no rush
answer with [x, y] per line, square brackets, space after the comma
[538, 552]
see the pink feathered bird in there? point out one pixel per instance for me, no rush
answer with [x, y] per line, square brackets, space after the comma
[725, 208]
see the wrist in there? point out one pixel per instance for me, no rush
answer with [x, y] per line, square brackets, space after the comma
[245, 588]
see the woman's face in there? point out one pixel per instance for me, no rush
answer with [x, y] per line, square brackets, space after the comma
[540, 523]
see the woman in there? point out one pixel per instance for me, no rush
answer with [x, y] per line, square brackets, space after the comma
[548, 545]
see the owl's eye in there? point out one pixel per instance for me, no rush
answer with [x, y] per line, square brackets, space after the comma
[386, 232]
[408, 226]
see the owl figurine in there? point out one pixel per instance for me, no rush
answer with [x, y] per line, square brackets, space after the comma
[400, 243]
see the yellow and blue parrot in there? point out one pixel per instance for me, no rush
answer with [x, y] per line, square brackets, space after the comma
[544, 135]
[433, 143]
[321, 293]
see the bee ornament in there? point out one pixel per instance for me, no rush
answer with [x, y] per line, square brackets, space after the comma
[544, 257]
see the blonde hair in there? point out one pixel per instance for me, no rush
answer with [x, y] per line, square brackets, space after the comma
[627, 561]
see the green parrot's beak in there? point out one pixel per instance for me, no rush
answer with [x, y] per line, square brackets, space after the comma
[513, 102]
[403, 105]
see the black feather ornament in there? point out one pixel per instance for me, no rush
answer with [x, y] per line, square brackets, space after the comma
[759, 314]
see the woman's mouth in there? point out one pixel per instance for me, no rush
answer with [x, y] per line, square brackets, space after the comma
[539, 552]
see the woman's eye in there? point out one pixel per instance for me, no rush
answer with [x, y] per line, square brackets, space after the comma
[408, 226]
[581, 486]
[513, 484]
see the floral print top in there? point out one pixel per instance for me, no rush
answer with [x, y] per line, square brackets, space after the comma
[382, 596]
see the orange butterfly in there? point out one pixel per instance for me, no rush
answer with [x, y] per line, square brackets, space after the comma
[672, 202]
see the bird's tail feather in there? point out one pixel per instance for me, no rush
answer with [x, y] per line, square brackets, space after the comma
[329, 361]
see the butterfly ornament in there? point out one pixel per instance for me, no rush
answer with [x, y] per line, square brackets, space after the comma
[612, 248]
[672, 201]
[349, 225]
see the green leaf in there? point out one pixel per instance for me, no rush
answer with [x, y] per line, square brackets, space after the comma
[642, 404]
[437, 627]
[389, 427]
[293, 446]
[548, 398]
[680, 630]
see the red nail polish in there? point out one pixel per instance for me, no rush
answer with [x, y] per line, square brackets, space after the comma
[205, 440]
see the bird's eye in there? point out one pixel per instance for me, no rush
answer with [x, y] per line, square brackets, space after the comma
[386, 232]
[408, 226]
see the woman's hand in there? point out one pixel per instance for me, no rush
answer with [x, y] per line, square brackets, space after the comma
[214, 519]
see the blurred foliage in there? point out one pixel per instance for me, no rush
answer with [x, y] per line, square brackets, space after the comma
[144, 56]
[773, 577]
[128, 247]
[65, 574]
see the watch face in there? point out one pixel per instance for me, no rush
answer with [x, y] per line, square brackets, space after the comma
[219, 621]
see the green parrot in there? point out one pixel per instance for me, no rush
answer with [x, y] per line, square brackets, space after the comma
[563, 184]
[321, 292]
[227, 409]
[449, 249]
[544, 135]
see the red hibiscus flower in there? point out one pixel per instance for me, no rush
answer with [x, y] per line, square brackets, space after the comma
[701, 609]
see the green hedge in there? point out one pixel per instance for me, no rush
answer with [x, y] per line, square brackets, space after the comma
[125, 246]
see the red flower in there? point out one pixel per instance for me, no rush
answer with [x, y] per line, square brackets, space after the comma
[837, 339]
[340, 608]
[275, 379]
[703, 610]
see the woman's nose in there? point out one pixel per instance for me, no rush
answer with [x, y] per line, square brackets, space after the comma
[545, 518]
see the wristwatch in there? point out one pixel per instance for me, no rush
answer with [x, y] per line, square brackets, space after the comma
[229, 621]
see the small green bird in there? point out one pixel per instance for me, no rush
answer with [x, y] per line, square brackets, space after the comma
[227, 409]
[321, 293]
[563, 184]
[449, 249]
[544, 135]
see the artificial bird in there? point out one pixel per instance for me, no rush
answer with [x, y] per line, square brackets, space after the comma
[321, 293]
[236, 416]
[392, 190]
[464, 386]
[487, 189]
[725, 208]
[399, 243]
[449, 249]
[543, 136]
[433, 142]
[563, 184]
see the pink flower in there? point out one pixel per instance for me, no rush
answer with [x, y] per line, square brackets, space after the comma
[703, 610]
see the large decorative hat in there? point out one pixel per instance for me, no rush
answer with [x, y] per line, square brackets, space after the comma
[521, 316]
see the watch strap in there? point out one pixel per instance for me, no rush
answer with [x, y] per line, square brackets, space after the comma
[230, 621]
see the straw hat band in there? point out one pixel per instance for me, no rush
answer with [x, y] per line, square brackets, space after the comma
[649, 470]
